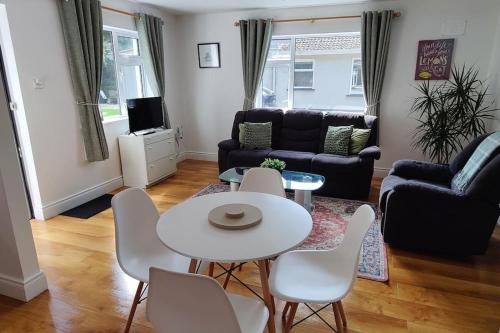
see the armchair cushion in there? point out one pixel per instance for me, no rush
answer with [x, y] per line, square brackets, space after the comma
[370, 152]
[409, 169]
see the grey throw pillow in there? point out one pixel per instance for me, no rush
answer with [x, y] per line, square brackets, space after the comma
[255, 135]
[337, 140]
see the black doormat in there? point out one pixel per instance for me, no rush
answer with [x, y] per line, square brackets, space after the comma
[90, 208]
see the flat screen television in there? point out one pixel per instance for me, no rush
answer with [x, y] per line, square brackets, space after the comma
[144, 113]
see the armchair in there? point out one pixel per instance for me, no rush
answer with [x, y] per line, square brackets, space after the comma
[420, 211]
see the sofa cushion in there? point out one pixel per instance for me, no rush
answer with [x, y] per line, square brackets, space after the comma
[255, 135]
[355, 119]
[275, 116]
[295, 160]
[359, 138]
[301, 130]
[246, 157]
[330, 161]
[337, 140]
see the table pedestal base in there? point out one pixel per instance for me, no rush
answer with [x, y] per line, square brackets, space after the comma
[303, 198]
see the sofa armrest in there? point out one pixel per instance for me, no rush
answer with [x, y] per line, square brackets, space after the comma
[410, 169]
[370, 152]
[229, 145]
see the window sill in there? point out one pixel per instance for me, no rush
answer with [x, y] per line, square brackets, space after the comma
[303, 88]
[355, 94]
[111, 120]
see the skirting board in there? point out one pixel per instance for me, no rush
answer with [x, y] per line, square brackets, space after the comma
[198, 155]
[204, 156]
[62, 205]
[23, 290]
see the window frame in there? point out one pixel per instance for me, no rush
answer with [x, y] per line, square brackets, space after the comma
[120, 62]
[352, 89]
[301, 70]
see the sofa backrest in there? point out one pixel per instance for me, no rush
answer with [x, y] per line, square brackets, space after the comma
[275, 116]
[301, 130]
[304, 130]
[358, 120]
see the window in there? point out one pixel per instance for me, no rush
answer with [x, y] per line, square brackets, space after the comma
[314, 72]
[304, 74]
[356, 82]
[122, 72]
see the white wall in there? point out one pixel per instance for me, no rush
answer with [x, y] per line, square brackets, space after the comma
[212, 96]
[494, 74]
[20, 275]
[65, 179]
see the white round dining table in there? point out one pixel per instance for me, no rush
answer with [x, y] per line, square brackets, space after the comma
[186, 230]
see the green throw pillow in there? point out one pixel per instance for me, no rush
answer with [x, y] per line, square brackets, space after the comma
[337, 140]
[359, 138]
[255, 135]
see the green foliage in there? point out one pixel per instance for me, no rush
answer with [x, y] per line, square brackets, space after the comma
[273, 164]
[451, 113]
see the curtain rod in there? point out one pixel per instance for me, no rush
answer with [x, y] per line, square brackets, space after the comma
[314, 19]
[119, 11]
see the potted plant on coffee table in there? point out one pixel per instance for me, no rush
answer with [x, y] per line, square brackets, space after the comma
[273, 164]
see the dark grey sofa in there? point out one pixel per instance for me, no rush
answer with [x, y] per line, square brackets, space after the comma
[421, 212]
[298, 139]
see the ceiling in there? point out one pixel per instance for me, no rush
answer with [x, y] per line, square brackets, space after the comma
[204, 6]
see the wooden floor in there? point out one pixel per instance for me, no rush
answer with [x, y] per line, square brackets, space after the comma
[89, 293]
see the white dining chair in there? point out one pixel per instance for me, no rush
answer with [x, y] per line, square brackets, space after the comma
[263, 180]
[137, 245]
[321, 277]
[183, 302]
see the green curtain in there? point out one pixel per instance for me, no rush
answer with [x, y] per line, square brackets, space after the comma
[256, 38]
[150, 30]
[82, 29]
[375, 37]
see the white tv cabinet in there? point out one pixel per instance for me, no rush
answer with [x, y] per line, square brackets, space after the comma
[147, 159]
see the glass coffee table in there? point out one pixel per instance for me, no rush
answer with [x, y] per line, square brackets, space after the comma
[302, 183]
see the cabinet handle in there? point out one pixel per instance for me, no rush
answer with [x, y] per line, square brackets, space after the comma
[171, 158]
[150, 148]
[151, 166]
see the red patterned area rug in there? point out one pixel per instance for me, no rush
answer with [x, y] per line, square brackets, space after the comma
[330, 219]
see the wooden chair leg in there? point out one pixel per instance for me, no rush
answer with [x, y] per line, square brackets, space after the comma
[342, 313]
[137, 298]
[228, 276]
[241, 267]
[268, 268]
[211, 269]
[283, 315]
[338, 319]
[291, 316]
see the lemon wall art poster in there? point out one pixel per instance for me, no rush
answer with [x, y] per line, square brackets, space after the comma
[434, 59]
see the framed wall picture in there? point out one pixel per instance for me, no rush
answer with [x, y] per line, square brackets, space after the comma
[209, 55]
[434, 59]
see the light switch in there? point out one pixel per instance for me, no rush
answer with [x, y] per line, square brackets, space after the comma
[38, 83]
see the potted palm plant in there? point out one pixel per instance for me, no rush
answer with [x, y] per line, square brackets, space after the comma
[451, 113]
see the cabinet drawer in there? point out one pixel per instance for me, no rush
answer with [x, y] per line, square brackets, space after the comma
[160, 149]
[159, 136]
[161, 168]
